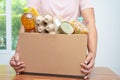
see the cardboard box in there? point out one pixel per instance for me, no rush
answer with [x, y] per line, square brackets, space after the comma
[53, 54]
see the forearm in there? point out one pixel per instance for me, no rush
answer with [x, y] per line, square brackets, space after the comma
[92, 38]
[89, 19]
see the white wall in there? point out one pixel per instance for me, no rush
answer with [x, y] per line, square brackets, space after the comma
[5, 58]
[108, 26]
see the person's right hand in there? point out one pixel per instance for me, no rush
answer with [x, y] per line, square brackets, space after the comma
[18, 65]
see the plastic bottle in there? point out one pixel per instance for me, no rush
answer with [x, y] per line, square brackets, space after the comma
[83, 27]
[80, 19]
[28, 20]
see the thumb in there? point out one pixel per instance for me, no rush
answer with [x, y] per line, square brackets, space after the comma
[16, 57]
[88, 59]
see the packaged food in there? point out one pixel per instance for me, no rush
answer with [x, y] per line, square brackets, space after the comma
[79, 27]
[65, 28]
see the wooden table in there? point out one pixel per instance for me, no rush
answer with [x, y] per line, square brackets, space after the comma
[98, 73]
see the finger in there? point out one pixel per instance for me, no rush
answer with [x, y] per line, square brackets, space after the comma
[83, 71]
[86, 71]
[13, 63]
[20, 70]
[84, 66]
[17, 73]
[86, 77]
[88, 59]
[90, 65]
[12, 58]
[20, 63]
[17, 59]
[19, 67]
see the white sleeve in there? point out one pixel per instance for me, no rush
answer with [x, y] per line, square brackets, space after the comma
[33, 3]
[86, 4]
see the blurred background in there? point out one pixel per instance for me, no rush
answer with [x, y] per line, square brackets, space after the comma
[107, 22]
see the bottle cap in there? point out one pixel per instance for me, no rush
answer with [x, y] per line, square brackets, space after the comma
[80, 19]
[26, 9]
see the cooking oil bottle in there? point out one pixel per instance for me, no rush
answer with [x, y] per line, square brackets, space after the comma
[28, 19]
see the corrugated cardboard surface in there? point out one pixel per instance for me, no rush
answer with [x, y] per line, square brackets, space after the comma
[53, 53]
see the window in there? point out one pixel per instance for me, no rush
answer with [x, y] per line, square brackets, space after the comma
[2, 6]
[3, 25]
[17, 7]
[10, 13]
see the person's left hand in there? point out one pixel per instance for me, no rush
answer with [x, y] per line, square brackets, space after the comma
[88, 64]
